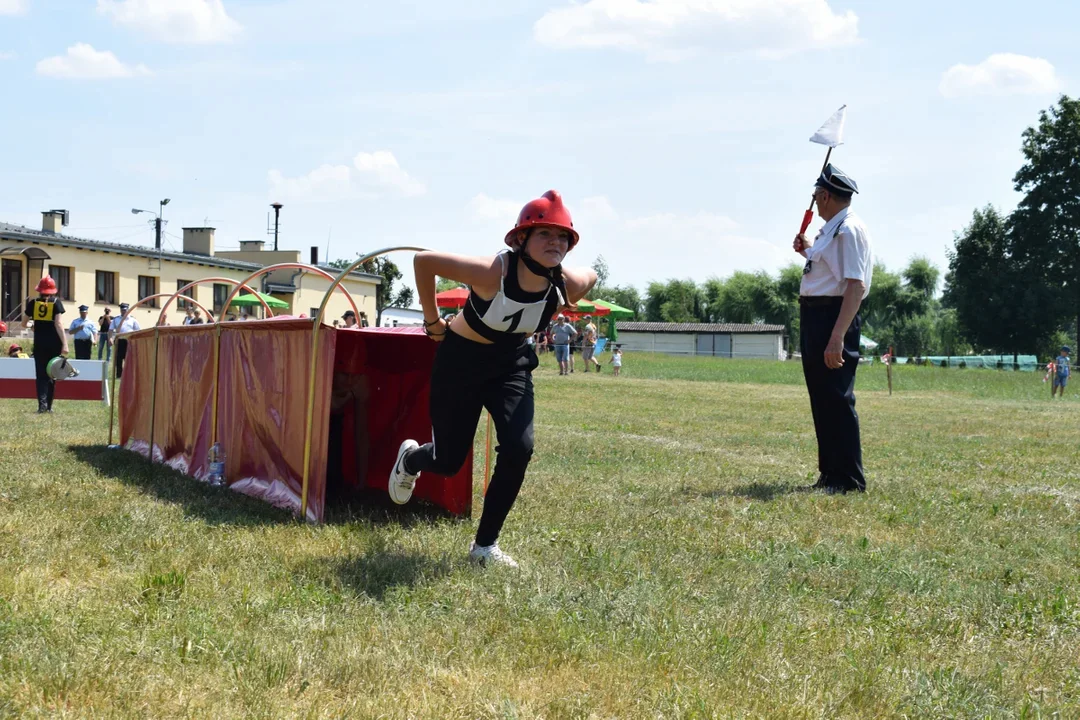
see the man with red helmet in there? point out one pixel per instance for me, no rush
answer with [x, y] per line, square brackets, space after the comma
[49, 337]
[484, 359]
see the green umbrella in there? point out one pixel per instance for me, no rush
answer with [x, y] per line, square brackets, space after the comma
[618, 312]
[250, 300]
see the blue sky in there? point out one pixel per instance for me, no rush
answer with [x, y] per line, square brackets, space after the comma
[677, 130]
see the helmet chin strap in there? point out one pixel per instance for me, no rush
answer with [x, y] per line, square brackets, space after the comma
[554, 275]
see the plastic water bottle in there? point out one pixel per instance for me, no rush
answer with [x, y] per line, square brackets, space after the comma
[216, 462]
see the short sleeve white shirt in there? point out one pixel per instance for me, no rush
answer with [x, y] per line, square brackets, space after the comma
[130, 325]
[841, 252]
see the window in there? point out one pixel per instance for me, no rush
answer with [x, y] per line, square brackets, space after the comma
[148, 287]
[221, 294]
[105, 287]
[62, 276]
[190, 292]
[314, 312]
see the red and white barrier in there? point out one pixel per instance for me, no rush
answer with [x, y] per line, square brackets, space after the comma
[17, 381]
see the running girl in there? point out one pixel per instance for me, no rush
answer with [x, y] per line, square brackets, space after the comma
[484, 360]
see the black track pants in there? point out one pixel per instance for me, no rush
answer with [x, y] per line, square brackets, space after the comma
[467, 377]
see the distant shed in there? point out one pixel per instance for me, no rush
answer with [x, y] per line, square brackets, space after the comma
[730, 340]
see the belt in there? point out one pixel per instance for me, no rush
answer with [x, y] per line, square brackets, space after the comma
[821, 300]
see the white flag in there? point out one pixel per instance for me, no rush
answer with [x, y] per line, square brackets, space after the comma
[832, 132]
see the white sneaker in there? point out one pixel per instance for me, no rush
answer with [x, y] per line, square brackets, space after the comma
[401, 483]
[490, 555]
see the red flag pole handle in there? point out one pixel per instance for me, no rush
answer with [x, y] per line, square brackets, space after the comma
[808, 216]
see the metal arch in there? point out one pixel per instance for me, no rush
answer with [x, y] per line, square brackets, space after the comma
[294, 266]
[112, 386]
[190, 285]
[315, 356]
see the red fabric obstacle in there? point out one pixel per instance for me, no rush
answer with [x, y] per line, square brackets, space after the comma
[262, 410]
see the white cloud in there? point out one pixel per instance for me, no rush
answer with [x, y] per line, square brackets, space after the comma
[8, 55]
[483, 208]
[13, 7]
[372, 175]
[174, 21]
[84, 62]
[598, 207]
[380, 171]
[1001, 74]
[671, 29]
[326, 183]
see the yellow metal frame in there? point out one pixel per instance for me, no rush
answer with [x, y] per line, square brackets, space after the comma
[315, 356]
[112, 387]
[180, 293]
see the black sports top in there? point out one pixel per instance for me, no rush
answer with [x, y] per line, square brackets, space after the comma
[513, 314]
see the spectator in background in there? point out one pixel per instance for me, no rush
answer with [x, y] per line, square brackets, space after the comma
[588, 345]
[1061, 371]
[561, 335]
[122, 326]
[189, 315]
[104, 346]
[84, 333]
[616, 360]
[350, 319]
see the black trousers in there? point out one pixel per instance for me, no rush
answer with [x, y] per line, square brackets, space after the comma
[44, 384]
[832, 395]
[467, 377]
[121, 353]
[82, 349]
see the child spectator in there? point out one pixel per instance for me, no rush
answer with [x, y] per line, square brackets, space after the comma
[1061, 371]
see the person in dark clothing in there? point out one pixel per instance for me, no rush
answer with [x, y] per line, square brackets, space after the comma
[49, 338]
[484, 361]
[836, 280]
[104, 348]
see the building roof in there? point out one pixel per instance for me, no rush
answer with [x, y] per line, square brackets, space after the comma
[664, 327]
[9, 231]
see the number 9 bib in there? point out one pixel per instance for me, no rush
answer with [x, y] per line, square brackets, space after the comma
[43, 310]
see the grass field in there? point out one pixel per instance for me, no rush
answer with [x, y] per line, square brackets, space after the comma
[668, 568]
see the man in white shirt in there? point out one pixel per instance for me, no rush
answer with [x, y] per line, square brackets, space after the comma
[836, 279]
[122, 326]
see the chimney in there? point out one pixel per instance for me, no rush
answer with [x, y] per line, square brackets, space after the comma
[251, 245]
[199, 241]
[53, 220]
[315, 255]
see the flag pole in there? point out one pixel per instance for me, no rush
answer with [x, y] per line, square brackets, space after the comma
[831, 135]
[888, 368]
[808, 216]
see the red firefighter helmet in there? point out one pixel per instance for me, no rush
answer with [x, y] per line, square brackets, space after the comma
[46, 286]
[546, 211]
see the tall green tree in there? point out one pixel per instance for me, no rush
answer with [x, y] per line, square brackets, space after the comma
[390, 292]
[600, 266]
[1046, 224]
[997, 303]
[679, 301]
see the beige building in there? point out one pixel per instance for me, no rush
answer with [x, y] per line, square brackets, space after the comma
[102, 274]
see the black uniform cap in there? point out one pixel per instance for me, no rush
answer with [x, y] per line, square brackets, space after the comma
[837, 181]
